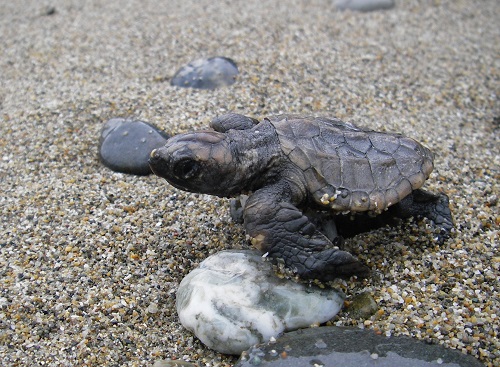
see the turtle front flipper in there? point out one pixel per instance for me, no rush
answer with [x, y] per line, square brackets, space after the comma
[232, 121]
[279, 228]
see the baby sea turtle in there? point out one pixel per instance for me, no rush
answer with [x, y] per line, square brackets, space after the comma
[290, 165]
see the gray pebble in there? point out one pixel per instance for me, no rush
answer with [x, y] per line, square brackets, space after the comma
[208, 73]
[124, 145]
[364, 5]
[49, 10]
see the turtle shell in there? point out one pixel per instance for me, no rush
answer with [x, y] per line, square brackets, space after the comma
[347, 168]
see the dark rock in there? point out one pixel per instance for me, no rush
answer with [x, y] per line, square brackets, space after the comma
[362, 306]
[351, 347]
[206, 73]
[496, 121]
[172, 363]
[364, 5]
[124, 145]
[49, 10]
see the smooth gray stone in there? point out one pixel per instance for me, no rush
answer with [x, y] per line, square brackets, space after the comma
[208, 73]
[364, 5]
[351, 347]
[234, 300]
[125, 145]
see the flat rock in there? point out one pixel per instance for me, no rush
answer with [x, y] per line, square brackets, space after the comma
[172, 363]
[364, 5]
[351, 347]
[124, 145]
[208, 73]
[234, 300]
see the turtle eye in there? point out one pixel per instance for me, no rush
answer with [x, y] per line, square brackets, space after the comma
[186, 169]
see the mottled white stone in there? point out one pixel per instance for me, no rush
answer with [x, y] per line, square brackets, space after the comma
[234, 300]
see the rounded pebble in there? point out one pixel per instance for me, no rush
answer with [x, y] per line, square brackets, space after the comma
[364, 5]
[362, 306]
[124, 145]
[208, 73]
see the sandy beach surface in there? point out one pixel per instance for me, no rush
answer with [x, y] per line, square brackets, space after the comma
[90, 260]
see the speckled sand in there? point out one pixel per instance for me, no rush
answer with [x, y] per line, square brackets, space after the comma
[90, 260]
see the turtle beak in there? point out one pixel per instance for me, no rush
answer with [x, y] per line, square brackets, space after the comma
[157, 163]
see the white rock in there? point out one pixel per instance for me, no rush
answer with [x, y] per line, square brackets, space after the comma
[234, 300]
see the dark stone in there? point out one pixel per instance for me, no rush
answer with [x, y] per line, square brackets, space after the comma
[172, 363]
[496, 121]
[209, 73]
[49, 10]
[351, 347]
[365, 5]
[362, 306]
[124, 145]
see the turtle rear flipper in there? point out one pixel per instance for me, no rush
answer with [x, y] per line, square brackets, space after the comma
[279, 228]
[436, 207]
[424, 204]
[419, 204]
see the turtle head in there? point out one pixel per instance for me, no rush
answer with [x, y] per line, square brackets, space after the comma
[197, 162]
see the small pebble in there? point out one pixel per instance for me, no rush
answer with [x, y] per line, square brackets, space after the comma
[152, 308]
[362, 306]
[364, 5]
[49, 10]
[208, 73]
[124, 145]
